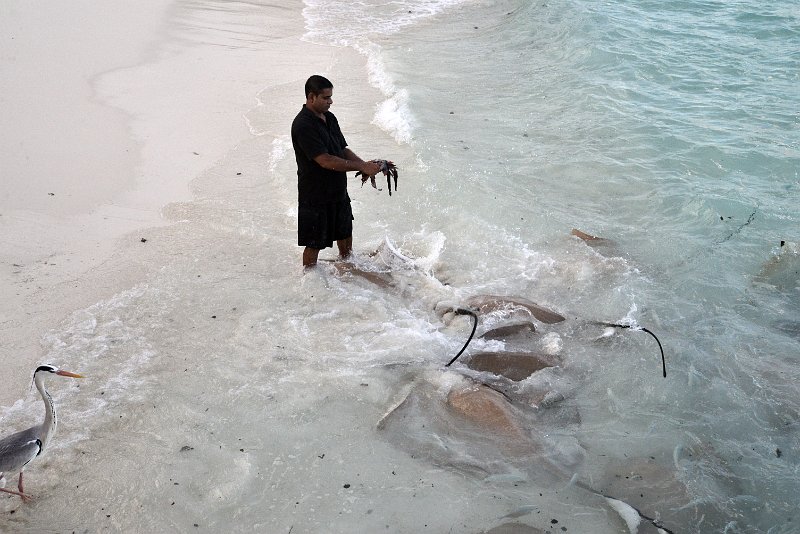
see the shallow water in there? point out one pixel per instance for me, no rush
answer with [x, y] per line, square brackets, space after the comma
[670, 129]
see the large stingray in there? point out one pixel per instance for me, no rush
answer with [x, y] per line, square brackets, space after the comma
[653, 489]
[503, 371]
[512, 330]
[379, 278]
[592, 241]
[455, 422]
[494, 303]
[515, 366]
[782, 270]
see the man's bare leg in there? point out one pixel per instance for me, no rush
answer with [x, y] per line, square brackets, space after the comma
[310, 256]
[345, 247]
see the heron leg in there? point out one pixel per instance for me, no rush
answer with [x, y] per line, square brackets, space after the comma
[23, 495]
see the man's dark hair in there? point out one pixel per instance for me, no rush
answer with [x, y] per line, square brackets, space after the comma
[316, 84]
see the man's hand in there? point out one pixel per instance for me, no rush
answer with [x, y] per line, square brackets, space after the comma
[370, 168]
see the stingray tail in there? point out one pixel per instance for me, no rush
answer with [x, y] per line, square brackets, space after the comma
[465, 311]
[624, 509]
[643, 329]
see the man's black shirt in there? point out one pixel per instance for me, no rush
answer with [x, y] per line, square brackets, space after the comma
[311, 136]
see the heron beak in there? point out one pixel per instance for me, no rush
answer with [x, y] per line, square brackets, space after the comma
[67, 373]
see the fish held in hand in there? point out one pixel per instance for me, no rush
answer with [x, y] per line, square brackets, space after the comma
[388, 168]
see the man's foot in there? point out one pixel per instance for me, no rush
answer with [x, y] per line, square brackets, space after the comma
[310, 256]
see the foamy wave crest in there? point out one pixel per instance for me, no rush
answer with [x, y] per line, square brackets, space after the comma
[394, 116]
[376, 69]
[356, 24]
[420, 250]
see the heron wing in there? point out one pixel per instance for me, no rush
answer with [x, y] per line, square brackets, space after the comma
[18, 449]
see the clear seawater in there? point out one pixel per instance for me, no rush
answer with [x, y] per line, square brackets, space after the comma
[671, 129]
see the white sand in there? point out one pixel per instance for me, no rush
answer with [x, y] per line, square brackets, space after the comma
[110, 110]
[67, 158]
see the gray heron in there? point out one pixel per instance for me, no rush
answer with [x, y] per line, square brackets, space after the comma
[19, 449]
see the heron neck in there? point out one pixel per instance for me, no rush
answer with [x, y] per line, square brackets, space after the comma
[50, 421]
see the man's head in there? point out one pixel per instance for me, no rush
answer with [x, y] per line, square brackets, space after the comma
[319, 93]
[316, 84]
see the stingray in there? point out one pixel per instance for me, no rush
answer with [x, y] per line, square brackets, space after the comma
[380, 279]
[782, 271]
[458, 423]
[511, 331]
[592, 241]
[654, 490]
[515, 366]
[492, 303]
[790, 328]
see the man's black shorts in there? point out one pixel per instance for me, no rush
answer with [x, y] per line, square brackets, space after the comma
[319, 225]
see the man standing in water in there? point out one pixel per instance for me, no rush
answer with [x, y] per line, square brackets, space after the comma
[323, 160]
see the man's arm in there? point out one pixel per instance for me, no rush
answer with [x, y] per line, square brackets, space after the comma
[352, 163]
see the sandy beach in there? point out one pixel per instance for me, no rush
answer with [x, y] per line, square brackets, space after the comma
[108, 117]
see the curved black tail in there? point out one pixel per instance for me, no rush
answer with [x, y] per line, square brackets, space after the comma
[643, 329]
[465, 311]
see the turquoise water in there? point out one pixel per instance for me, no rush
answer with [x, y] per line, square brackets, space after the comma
[671, 128]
